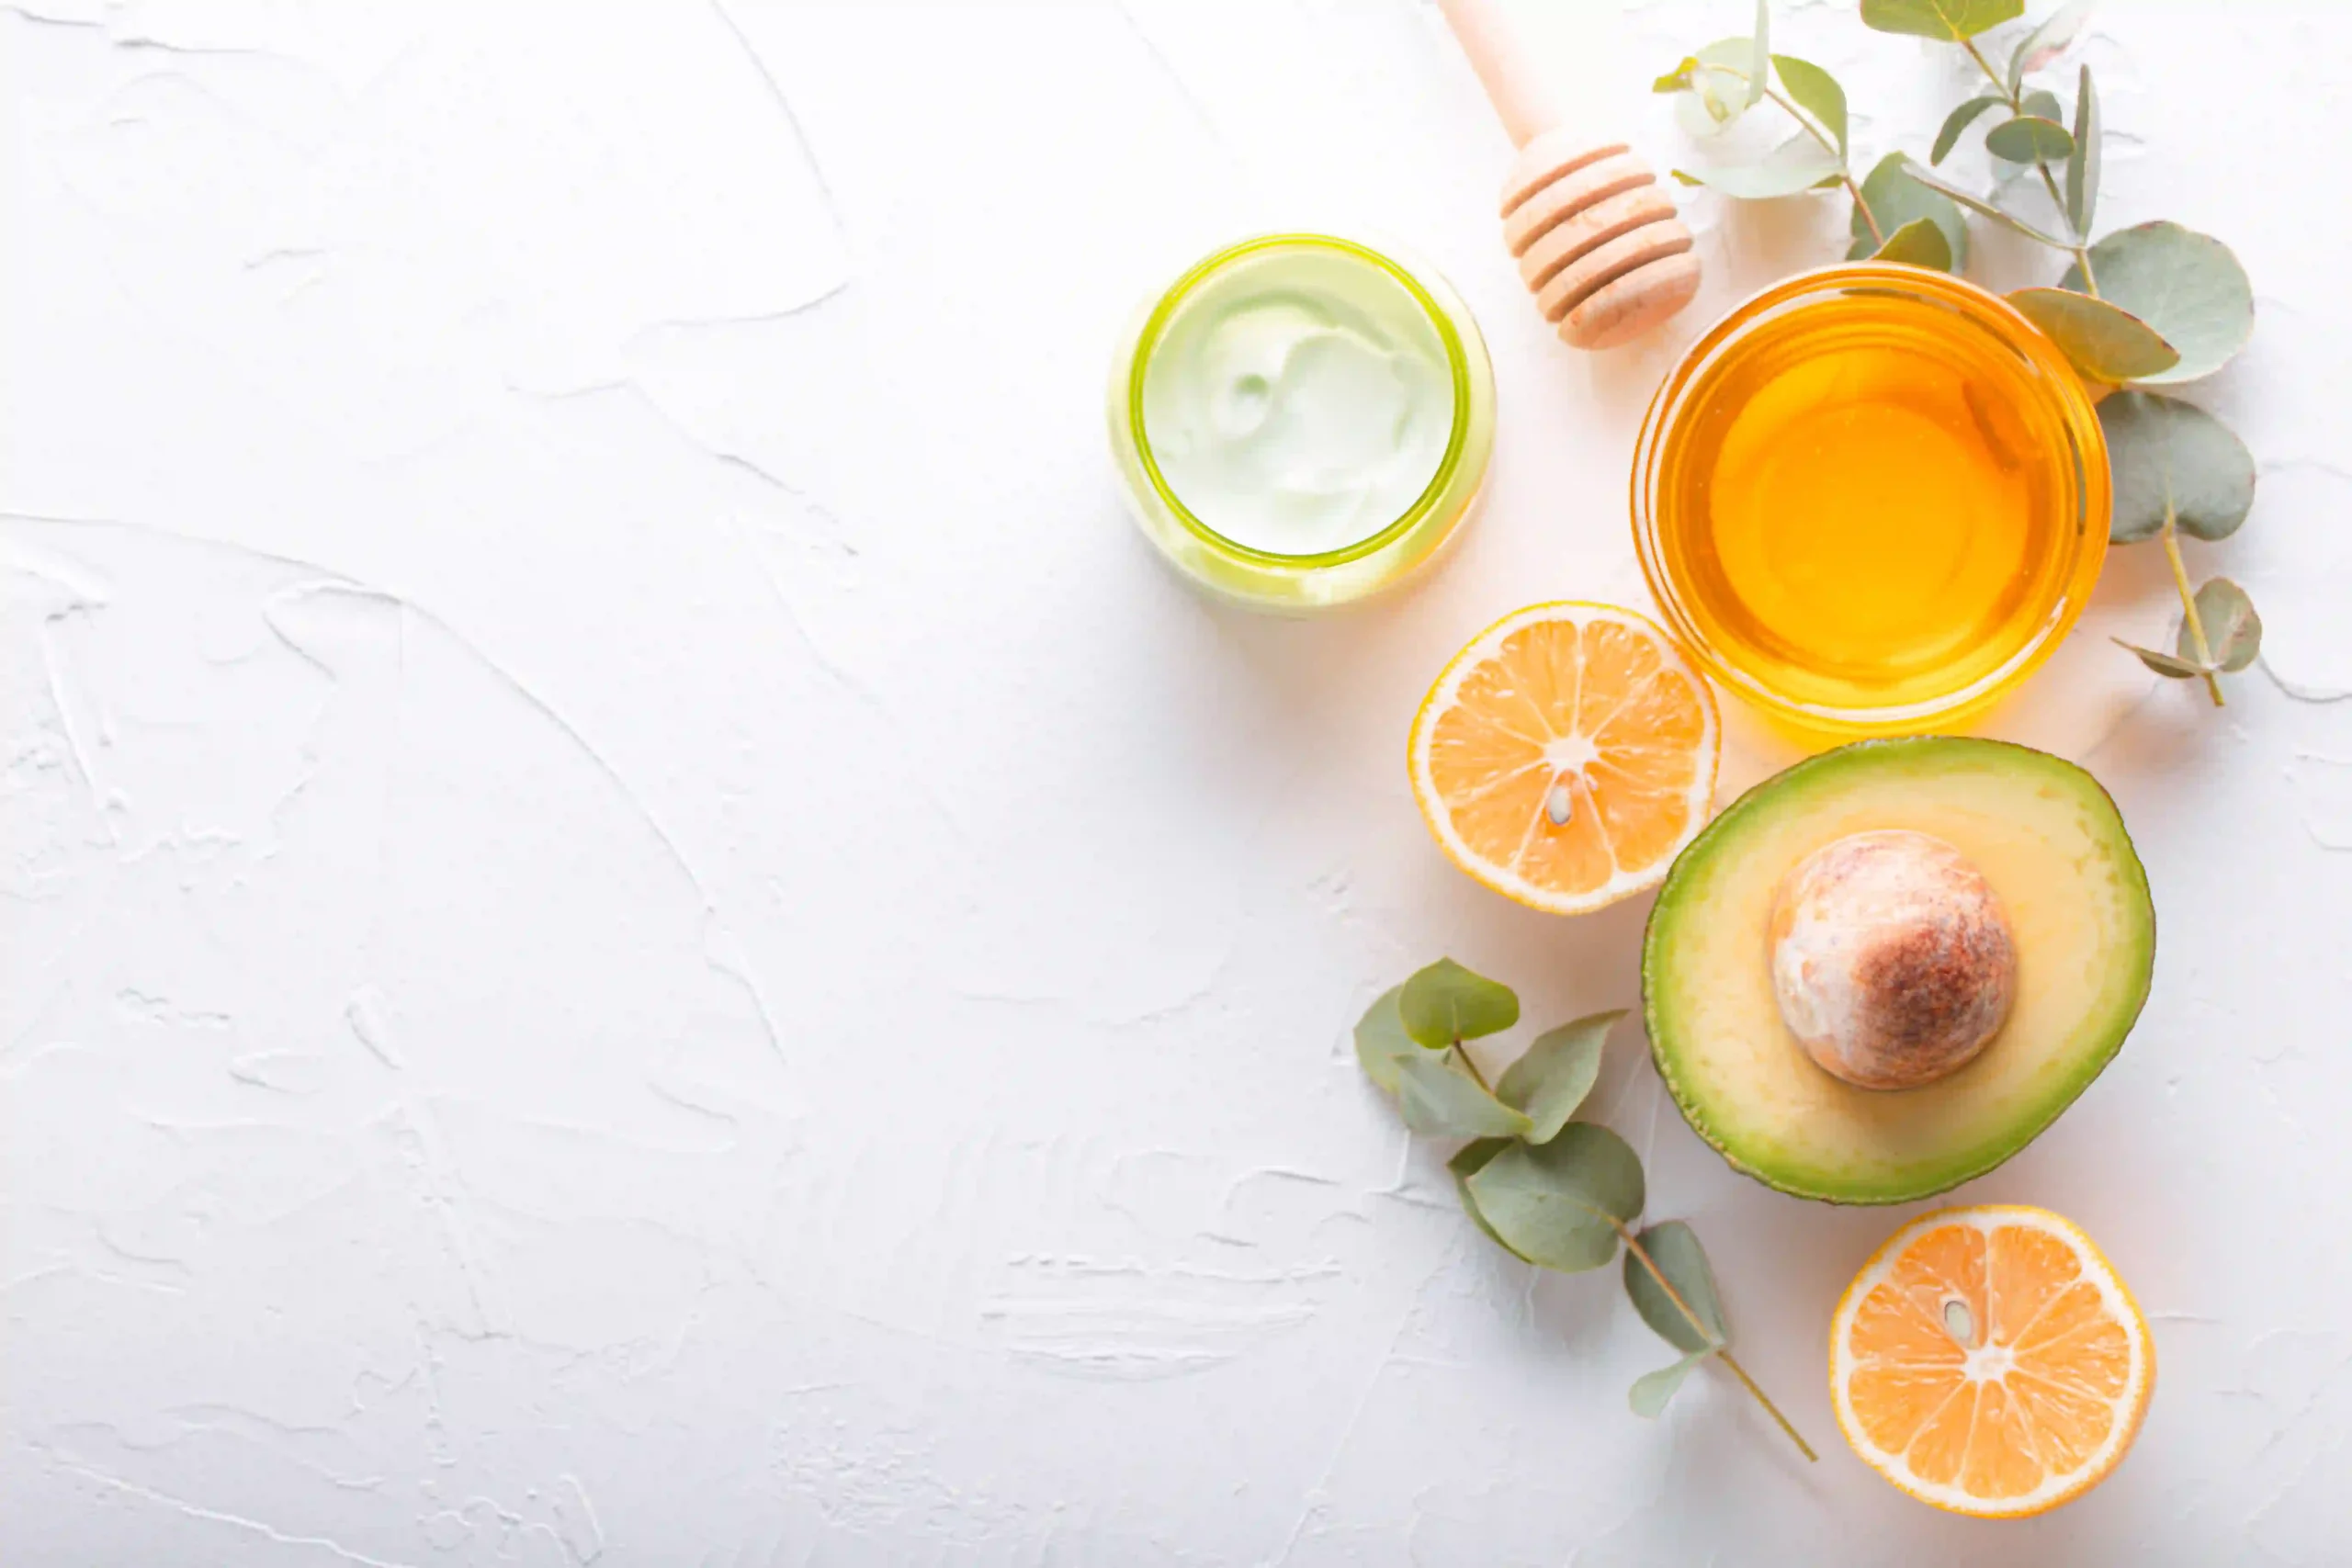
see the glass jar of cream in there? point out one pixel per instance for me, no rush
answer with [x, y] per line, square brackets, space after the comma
[1301, 421]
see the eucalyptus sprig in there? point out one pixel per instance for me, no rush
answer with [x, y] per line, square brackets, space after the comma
[2155, 305]
[1894, 218]
[1552, 1191]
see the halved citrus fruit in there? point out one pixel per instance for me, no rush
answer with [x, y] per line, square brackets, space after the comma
[1567, 755]
[1989, 1361]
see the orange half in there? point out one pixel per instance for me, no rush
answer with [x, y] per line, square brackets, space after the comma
[1566, 756]
[1989, 1361]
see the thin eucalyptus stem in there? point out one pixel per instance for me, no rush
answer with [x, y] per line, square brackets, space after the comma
[2188, 604]
[1634, 1245]
[1804, 123]
[1845, 176]
[2016, 101]
[1741, 1372]
[2083, 260]
[1463, 1056]
[1878, 235]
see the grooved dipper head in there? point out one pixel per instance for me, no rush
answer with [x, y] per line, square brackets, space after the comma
[1596, 238]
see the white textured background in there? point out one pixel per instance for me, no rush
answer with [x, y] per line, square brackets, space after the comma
[640, 930]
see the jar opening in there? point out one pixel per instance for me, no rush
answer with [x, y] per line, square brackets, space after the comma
[1458, 387]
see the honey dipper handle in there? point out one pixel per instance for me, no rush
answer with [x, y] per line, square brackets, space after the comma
[1521, 102]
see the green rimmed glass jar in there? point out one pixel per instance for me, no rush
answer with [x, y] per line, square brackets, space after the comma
[1302, 421]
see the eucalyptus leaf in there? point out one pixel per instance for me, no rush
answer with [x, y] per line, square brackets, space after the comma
[1713, 84]
[2047, 41]
[1896, 196]
[2163, 664]
[1445, 1003]
[1760, 55]
[1957, 121]
[1674, 1248]
[2029, 139]
[1560, 1204]
[1950, 20]
[1652, 1391]
[1381, 1040]
[2105, 341]
[1468, 1161]
[1817, 91]
[2186, 285]
[2044, 103]
[1440, 1101]
[1917, 243]
[2231, 628]
[1797, 165]
[1975, 203]
[2082, 168]
[1475, 1156]
[2173, 459]
[1552, 1078]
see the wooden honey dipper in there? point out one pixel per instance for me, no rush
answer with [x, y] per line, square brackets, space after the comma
[1596, 236]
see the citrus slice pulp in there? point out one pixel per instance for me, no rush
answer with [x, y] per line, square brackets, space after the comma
[1989, 1361]
[1566, 756]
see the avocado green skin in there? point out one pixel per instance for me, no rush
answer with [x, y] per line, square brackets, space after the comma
[1726, 829]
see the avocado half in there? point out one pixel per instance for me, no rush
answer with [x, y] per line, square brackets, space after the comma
[2051, 843]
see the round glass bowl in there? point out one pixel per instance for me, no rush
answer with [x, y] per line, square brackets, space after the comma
[1337, 292]
[1871, 500]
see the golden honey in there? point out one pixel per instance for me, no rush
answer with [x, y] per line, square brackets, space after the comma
[1873, 499]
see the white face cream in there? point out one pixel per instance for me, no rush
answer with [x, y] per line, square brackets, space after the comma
[1299, 400]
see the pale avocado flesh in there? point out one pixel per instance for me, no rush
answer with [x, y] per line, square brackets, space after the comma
[2049, 840]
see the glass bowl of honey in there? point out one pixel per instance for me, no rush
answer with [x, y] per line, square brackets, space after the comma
[1871, 500]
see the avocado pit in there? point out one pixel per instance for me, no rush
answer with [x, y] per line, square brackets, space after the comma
[1892, 960]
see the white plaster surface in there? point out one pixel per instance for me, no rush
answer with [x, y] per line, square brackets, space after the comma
[640, 930]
